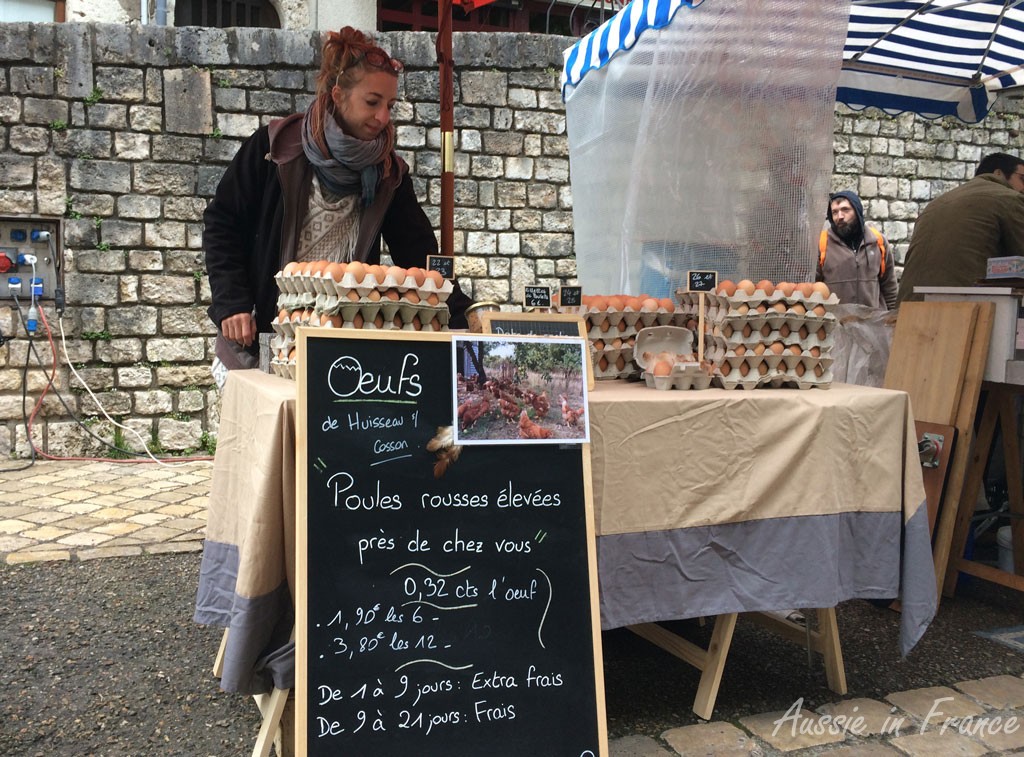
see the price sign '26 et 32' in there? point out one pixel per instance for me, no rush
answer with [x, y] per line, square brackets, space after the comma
[447, 597]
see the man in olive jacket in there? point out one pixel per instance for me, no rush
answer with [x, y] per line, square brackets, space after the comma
[960, 230]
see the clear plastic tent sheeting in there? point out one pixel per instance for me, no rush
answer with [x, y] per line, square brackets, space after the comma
[701, 138]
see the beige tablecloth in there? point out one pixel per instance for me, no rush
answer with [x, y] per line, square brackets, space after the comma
[705, 501]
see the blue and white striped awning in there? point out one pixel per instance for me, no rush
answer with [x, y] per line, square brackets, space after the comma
[932, 57]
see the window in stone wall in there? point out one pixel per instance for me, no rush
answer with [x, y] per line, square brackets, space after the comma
[225, 13]
[37, 11]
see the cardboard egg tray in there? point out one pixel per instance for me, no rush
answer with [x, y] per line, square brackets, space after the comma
[774, 378]
[678, 342]
[605, 326]
[392, 315]
[317, 284]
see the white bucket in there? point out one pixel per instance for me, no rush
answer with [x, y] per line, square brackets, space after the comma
[1004, 540]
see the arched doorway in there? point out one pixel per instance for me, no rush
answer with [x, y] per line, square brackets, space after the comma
[224, 13]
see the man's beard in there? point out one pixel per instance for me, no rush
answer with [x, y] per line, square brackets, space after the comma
[849, 233]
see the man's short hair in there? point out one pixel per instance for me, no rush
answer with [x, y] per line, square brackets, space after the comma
[998, 161]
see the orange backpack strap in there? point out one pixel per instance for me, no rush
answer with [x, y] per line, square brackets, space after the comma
[822, 244]
[881, 249]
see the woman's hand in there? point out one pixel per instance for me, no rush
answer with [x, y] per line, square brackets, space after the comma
[240, 327]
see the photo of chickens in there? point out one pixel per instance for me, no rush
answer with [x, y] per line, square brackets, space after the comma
[514, 390]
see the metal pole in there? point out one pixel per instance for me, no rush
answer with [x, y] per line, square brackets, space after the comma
[445, 71]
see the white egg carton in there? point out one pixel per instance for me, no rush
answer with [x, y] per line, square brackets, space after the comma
[306, 284]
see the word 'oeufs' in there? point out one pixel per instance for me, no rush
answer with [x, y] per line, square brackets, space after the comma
[348, 378]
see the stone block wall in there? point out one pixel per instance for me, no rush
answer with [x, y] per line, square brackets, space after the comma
[124, 131]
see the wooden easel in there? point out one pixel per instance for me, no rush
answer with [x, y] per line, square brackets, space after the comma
[999, 409]
[711, 661]
[271, 706]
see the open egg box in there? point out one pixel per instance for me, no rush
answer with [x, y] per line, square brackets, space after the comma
[673, 345]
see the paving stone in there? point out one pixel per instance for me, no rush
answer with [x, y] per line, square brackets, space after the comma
[173, 547]
[710, 739]
[180, 510]
[112, 513]
[148, 519]
[14, 526]
[50, 555]
[636, 746]
[997, 692]
[40, 517]
[117, 529]
[14, 543]
[156, 534]
[791, 729]
[934, 704]
[80, 508]
[83, 539]
[862, 717]
[46, 533]
[934, 744]
[870, 749]
[1004, 734]
[100, 552]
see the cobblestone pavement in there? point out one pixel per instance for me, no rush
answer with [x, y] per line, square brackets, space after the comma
[63, 510]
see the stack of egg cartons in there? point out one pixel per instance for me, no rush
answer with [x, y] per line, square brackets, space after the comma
[768, 335]
[689, 306]
[354, 295]
[612, 323]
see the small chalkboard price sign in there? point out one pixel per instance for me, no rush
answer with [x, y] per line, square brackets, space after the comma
[702, 281]
[536, 296]
[446, 601]
[570, 297]
[443, 264]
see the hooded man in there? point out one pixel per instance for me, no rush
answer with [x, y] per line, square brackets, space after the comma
[853, 258]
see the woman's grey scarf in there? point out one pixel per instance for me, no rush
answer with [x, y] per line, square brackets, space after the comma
[351, 165]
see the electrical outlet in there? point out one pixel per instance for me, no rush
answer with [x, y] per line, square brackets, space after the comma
[25, 240]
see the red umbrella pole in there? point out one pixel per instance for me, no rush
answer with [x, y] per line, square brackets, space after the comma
[445, 66]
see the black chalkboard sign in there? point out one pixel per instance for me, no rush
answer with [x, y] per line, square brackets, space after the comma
[446, 603]
[536, 296]
[570, 297]
[702, 281]
[443, 264]
[538, 324]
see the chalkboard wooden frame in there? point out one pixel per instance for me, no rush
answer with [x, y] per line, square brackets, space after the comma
[578, 639]
[554, 324]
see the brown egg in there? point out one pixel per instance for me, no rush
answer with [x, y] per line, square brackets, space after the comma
[777, 348]
[411, 295]
[821, 288]
[798, 308]
[794, 349]
[358, 270]
[598, 344]
[599, 302]
[744, 368]
[799, 369]
[662, 368]
[318, 266]
[331, 321]
[786, 288]
[432, 299]
[605, 326]
[784, 330]
[373, 295]
[779, 307]
[378, 322]
[762, 368]
[759, 348]
[740, 350]
[727, 330]
[727, 288]
[602, 363]
[743, 308]
[818, 371]
[292, 268]
[397, 273]
[417, 324]
[761, 309]
[822, 334]
[436, 277]
[392, 294]
[418, 275]
[292, 354]
[819, 310]
[747, 330]
[766, 330]
[296, 316]
[616, 302]
[357, 321]
[668, 303]
[352, 295]
[335, 270]
[397, 322]
[377, 271]
[746, 286]
[815, 352]
[620, 363]
[766, 286]
[435, 324]
[282, 316]
[803, 332]
[617, 343]
[805, 288]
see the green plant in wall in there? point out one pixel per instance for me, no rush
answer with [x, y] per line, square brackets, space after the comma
[120, 443]
[198, 275]
[58, 125]
[94, 96]
[96, 336]
[69, 208]
[216, 133]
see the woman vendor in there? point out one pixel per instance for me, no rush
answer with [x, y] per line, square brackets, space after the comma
[321, 185]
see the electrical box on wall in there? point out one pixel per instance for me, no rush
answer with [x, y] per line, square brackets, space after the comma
[31, 257]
